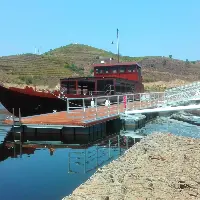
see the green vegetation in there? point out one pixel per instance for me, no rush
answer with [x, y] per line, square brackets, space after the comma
[76, 60]
[74, 68]
[91, 71]
[26, 79]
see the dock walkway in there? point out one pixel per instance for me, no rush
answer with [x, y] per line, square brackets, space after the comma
[107, 108]
[86, 116]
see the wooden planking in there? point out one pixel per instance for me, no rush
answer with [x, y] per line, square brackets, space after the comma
[80, 117]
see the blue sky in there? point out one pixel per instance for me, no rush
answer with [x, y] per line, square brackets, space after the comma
[147, 28]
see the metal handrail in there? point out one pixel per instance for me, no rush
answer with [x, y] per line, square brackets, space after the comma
[114, 104]
[125, 94]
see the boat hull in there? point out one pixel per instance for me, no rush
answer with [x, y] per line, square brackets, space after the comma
[29, 104]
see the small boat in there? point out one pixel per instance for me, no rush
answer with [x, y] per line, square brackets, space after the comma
[109, 79]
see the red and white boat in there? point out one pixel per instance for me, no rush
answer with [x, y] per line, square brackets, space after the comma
[109, 79]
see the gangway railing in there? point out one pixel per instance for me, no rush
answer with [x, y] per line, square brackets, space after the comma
[96, 107]
[107, 106]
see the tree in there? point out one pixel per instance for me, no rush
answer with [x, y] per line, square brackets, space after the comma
[187, 63]
[170, 56]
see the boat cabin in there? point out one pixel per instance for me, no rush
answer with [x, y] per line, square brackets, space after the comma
[130, 71]
[109, 79]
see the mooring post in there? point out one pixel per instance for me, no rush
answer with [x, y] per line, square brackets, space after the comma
[109, 148]
[140, 99]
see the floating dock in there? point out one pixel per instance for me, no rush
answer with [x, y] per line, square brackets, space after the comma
[87, 123]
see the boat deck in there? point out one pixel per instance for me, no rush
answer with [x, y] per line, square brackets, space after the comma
[77, 118]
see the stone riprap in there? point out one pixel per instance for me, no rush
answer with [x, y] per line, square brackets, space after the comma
[160, 166]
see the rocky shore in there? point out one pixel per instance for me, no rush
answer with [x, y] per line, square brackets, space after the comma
[161, 166]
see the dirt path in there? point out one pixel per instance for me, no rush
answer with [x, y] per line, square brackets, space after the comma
[161, 166]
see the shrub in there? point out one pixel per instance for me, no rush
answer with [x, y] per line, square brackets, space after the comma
[27, 79]
[74, 68]
[91, 71]
[187, 63]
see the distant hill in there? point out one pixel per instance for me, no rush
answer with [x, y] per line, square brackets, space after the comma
[76, 60]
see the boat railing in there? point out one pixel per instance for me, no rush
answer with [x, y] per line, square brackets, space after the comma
[83, 92]
[113, 105]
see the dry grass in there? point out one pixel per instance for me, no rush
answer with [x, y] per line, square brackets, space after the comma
[48, 68]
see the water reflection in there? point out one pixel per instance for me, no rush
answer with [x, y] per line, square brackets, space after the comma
[42, 166]
[87, 156]
[30, 163]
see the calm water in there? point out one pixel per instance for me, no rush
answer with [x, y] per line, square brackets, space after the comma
[43, 173]
[42, 176]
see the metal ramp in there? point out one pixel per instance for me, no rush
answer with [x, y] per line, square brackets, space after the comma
[183, 94]
[175, 99]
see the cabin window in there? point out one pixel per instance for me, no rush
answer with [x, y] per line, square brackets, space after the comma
[106, 71]
[97, 71]
[122, 69]
[114, 70]
[131, 69]
[101, 71]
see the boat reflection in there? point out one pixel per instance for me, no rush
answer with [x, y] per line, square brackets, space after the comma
[81, 158]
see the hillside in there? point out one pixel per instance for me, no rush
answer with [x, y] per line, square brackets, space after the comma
[76, 60]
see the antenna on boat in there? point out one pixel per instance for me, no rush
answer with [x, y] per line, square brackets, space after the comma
[118, 45]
